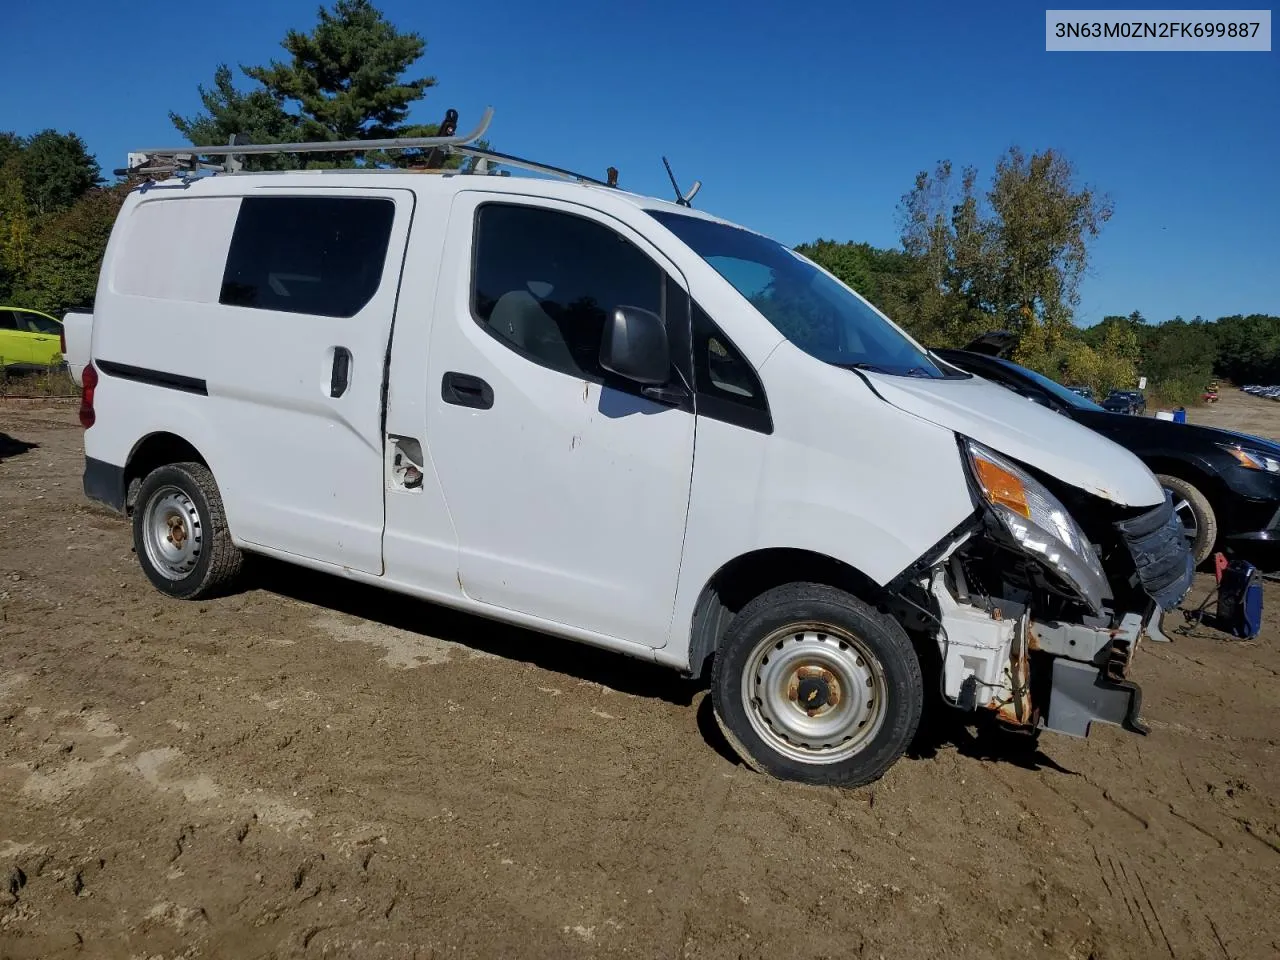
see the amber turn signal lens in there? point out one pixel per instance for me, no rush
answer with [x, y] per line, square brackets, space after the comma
[1002, 487]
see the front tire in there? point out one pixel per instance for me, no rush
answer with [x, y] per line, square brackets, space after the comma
[1195, 512]
[813, 685]
[180, 532]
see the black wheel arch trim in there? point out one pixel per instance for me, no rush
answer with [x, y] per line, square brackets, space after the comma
[712, 616]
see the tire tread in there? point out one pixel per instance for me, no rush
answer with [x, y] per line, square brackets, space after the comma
[1200, 503]
[225, 559]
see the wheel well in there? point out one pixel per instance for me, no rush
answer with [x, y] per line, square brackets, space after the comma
[154, 451]
[1205, 482]
[744, 578]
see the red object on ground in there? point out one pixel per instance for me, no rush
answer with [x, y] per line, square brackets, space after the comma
[1220, 563]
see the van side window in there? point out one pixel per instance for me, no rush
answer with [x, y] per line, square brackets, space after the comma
[544, 282]
[317, 255]
[727, 385]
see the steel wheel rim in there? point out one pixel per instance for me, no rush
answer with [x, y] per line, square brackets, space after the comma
[814, 692]
[1186, 514]
[172, 533]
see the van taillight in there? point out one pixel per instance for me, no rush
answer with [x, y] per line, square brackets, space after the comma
[62, 340]
[88, 381]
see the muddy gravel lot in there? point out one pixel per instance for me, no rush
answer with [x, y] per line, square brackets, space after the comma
[311, 768]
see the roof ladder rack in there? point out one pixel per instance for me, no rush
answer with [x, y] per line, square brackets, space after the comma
[187, 159]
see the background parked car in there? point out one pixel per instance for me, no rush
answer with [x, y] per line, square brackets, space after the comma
[77, 326]
[1125, 401]
[1225, 485]
[29, 339]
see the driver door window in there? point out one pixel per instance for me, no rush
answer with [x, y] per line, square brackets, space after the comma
[546, 280]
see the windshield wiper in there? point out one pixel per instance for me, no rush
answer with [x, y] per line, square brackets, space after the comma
[876, 368]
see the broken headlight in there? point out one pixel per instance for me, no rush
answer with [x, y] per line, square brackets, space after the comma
[1038, 522]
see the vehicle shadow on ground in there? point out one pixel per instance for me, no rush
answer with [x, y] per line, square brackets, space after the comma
[593, 665]
[13, 447]
[978, 738]
[940, 727]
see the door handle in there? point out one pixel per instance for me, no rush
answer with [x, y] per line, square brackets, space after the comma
[464, 390]
[340, 376]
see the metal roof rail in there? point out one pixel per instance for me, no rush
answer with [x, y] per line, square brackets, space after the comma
[493, 156]
[187, 159]
[140, 161]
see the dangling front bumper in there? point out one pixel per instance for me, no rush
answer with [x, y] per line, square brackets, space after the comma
[1090, 680]
[1091, 665]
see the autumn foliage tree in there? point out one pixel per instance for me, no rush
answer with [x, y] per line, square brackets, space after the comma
[1009, 257]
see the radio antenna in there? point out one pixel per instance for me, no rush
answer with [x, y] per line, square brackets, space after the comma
[682, 198]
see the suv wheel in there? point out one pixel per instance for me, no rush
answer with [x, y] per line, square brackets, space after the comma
[812, 684]
[1195, 512]
[180, 532]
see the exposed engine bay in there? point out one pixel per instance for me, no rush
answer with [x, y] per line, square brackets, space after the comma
[1038, 606]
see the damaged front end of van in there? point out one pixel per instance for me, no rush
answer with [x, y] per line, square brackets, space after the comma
[1038, 603]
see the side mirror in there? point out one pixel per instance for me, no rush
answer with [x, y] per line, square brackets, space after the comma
[634, 345]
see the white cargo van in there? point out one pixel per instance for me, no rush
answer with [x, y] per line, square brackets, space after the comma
[621, 421]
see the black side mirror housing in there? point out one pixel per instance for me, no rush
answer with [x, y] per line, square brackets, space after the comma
[634, 345]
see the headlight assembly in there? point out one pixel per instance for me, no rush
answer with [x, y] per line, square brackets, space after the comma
[1253, 459]
[1039, 523]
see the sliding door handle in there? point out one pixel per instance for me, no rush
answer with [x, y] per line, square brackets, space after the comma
[340, 377]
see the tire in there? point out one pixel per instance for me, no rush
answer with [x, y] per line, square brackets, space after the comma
[180, 532]
[810, 641]
[1193, 507]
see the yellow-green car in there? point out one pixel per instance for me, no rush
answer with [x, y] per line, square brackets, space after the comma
[29, 339]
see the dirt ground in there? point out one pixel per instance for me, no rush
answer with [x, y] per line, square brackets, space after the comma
[310, 768]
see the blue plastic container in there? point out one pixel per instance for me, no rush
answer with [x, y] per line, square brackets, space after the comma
[1180, 415]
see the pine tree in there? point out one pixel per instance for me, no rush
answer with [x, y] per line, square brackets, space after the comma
[344, 80]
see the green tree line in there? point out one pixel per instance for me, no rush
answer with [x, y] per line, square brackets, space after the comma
[1008, 254]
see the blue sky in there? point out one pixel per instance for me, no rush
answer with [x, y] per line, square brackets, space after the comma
[802, 119]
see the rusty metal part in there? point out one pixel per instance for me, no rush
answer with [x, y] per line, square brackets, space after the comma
[1018, 710]
[814, 689]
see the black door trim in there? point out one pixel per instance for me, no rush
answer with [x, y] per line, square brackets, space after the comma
[155, 378]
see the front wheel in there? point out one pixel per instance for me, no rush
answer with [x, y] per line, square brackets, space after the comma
[811, 684]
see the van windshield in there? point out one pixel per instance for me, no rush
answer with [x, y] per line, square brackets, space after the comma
[816, 313]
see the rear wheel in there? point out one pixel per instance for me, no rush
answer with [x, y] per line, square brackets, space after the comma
[1196, 513]
[812, 684]
[180, 532]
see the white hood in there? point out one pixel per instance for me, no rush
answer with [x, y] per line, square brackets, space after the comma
[1022, 429]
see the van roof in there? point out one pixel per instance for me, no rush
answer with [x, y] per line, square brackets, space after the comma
[239, 184]
[448, 141]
